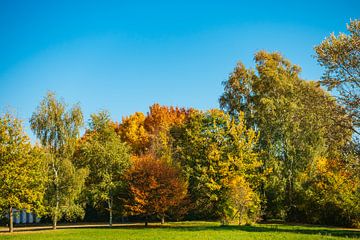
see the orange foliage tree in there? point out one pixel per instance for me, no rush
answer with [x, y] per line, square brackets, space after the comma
[150, 133]
[158, 123]
[132, 130]
[154, 186]
[160, 118]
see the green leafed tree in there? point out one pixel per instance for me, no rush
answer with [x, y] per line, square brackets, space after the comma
[340, 56]
[213, 150]
[22, 182]
[296, 119]
[57, 129]
[107, 158]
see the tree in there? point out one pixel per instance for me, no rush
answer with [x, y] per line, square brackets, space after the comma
[150, 133]
[245, 201]
[154, 186]
[158, 122]
[57, 130]
[331, 193]
[213, 149]
[21, 169]
[107, 158]
[132, 130]
[340, 56]
[296, 119]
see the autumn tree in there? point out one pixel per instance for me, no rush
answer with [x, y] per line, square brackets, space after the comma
[296, 119]
[340, 56]
[158, 122]
[150, 133]
[244, 200]
[57, 129]
[154, 186]
[332, 194]
[213, 149]
[107, 158]
[21, 169]
[132, 130]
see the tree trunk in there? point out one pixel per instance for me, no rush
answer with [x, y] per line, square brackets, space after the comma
[110, 212]
[110, 217]
[241, 215]
[162, 219]
[11, 220]
[146, 221]
[56, 180]
[55, 217]
[54, 221]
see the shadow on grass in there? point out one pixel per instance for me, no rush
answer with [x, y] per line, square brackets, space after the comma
[297, 229]
[276, 228]
[280, 228]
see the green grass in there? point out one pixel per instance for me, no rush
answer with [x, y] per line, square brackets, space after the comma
[191, 230]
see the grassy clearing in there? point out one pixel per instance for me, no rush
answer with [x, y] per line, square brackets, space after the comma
[191, 230]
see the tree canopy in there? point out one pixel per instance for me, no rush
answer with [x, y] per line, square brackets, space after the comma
[21, 170]
[107, 158]
[57, 130]
[280, 147]
[340, 56]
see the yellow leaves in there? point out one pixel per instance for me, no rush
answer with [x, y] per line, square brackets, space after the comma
[132, 130]
[21, 166]
[244, 200]
[213, 153]
[321, 164]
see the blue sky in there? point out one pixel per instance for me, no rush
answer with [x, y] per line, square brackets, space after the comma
[126, 55]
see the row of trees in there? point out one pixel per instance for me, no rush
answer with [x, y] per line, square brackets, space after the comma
[280, 148]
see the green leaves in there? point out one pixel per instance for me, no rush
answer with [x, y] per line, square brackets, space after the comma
[212, 149]
[107, 158]
[340, 56]
[55, 126]
[21, 168]
[297, 121]
[57, 130]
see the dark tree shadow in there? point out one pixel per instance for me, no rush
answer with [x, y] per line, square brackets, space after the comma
[314, 230]
[299, 229]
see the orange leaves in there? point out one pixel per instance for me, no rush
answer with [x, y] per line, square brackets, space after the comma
[162, 117]
[154, 186]
[149, 133]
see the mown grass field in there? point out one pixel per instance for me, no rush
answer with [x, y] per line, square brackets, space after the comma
[190, 230]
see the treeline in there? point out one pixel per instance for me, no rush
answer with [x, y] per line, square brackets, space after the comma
[281, 147]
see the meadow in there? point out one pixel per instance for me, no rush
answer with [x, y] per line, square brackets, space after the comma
[190, 230]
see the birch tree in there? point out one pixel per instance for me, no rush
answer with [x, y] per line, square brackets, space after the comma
[57, 129]
[340, 57]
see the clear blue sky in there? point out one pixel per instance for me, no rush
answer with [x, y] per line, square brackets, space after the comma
[126, 55]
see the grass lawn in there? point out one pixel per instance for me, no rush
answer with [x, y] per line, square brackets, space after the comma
[191, 230]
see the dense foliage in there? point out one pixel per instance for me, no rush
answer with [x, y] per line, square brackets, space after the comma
[281, 147]
[25, 190]
[154, 186]
[57, 130]
[107, 158]
[340, 56]
[213, 150]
